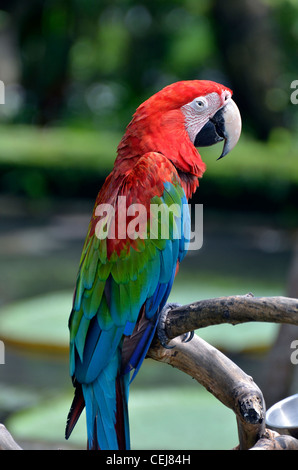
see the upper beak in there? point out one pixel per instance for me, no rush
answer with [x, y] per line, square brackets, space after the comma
[224, 125]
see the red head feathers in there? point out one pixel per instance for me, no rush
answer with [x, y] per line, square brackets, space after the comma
[169, 123]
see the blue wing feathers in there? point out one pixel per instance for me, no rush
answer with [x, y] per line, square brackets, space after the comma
[81, 335]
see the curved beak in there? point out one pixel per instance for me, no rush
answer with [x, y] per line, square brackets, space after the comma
[224, 125]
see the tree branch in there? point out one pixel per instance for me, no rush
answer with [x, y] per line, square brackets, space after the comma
[276, 442]
[212, 369]
[6, 440]
[234, 310]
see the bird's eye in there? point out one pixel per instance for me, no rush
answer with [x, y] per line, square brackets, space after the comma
[200, 104]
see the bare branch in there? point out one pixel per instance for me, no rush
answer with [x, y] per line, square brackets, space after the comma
[6, 440]
[233, 309]
[224, 379]
[276, 443]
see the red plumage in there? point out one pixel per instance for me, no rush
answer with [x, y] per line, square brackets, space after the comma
[158, 125]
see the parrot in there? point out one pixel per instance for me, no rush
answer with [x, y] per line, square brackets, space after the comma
[125, 276]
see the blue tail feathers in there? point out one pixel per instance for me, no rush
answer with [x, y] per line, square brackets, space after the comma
[106, 401]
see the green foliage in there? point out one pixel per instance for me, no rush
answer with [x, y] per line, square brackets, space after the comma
[57, 147]
[109, 57]
[93, 63]
[74, 162]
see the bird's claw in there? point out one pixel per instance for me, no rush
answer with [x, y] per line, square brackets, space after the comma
[164, 340]
[187, 337]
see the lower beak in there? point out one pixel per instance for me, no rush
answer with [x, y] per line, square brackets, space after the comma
[224, 125]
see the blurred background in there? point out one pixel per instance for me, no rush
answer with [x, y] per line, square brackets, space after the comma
[74, 72]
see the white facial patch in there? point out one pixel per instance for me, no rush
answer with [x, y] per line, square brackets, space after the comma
[200, 110]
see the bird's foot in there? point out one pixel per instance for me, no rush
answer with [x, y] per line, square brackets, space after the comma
[161, 333]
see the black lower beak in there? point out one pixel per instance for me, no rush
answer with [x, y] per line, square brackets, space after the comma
[212, 132]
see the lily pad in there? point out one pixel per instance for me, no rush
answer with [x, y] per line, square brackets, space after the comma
[165, 418]
[39, 323]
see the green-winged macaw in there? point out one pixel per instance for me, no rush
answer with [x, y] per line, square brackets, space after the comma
[127, 270]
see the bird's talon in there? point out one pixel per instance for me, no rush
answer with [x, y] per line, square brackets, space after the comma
[188, 337]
